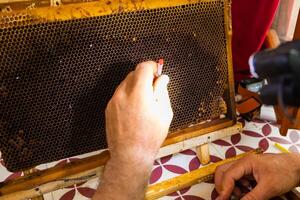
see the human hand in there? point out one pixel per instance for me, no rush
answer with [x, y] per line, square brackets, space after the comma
[137, 122]
[139, 115]
[274, 174]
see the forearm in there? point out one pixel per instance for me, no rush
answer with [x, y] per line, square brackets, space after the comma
[124, 180]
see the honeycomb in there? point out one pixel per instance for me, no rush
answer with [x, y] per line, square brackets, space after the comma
[57, 77]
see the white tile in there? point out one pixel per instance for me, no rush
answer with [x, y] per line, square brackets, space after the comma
[57, 194]
[202, 190]
[267, 113]
[74, 190]
[181, 160]
[220, 149]
[4, 173]
[93, 183]
[215, 151]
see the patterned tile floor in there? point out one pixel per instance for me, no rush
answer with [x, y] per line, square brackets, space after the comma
[258, 133]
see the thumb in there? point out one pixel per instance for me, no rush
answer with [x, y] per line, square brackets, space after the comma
[161, 87]
[161, 94]
[260, 192]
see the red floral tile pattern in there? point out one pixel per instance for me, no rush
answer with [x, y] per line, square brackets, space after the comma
[84, 191]
[78, 188]
[257, 133]
[233, 145]
[182, 195]
[294, 139]
[265, 136]
[13, 176]
[162, 164]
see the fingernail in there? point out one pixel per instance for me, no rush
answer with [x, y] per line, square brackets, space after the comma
[218, 198]
[167, 80]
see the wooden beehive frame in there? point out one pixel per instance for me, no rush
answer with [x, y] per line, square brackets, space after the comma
[199, 136]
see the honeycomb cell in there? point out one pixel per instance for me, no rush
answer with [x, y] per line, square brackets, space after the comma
[57, 77]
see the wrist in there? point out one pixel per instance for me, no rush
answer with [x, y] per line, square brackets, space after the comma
[136, 161]
[124, 178]
[134, 156]
[127, 166]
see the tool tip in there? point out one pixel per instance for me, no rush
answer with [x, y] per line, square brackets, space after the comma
[161, 61]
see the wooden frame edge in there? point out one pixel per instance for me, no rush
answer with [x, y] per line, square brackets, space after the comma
[191, 178]
[51, 179]
[78, 10]
[197, 130]
[198, 140]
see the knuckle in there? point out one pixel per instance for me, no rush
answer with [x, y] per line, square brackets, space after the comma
[140, 66]
[251, 157]
[113, 99]
[220, 168]
[146, 64]
[117, 95]
[130, 75]
[116, 98]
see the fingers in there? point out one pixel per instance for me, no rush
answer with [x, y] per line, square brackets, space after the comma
[226, 176]
[219, 175]
[140, 78]
[161, 86]
[161, 93]
[144, 74]
[237, 192]
[260, 192]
